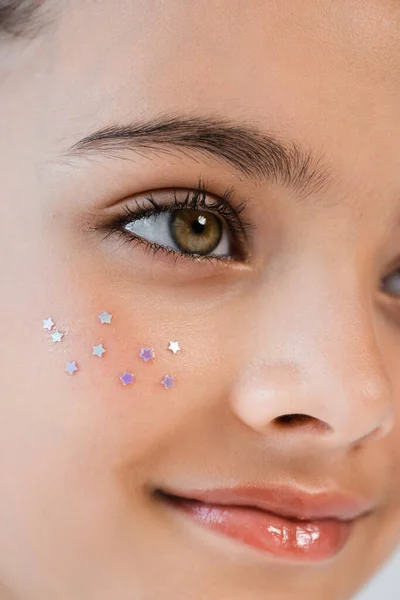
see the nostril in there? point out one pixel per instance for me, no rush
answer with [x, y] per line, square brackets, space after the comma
[293, 419]
[301, 420]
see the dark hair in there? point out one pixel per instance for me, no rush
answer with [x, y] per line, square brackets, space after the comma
[17, 17]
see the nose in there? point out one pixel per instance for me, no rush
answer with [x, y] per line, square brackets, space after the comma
[313, 366]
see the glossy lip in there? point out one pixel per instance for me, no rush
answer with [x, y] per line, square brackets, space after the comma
[284, 501]
[285, 522]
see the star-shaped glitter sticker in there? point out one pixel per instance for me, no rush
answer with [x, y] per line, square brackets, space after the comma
[127, 378]
[98, 350]
[168, 381]
[48, 324]
[105, 317]
[57, 336]
[147, 354]
[71, 367]
[174, 347]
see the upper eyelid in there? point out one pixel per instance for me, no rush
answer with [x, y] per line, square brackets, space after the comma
[199, 193]
[229, 212]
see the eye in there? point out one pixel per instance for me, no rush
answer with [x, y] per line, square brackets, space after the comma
[194, 223]
[188, 231]
[391, 283]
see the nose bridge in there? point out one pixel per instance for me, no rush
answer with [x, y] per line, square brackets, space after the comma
[314, 352]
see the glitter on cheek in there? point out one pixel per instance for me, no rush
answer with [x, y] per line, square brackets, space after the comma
[168, 382]
[57, 336]
[127, 378]
[71, 367]
[98, 350]
[48, 324]
[174, 347]
[105, 318]
[147, 354]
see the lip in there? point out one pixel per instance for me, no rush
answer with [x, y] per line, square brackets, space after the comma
[289, 502]
[286, 522]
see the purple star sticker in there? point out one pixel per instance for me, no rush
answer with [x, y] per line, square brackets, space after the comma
[127, 378]
[168, 381]
[146, 354]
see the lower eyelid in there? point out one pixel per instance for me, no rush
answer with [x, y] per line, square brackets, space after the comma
[133, 257]
[171, 253]
[169, 250]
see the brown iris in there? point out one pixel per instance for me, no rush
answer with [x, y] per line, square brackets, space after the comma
[196, 231]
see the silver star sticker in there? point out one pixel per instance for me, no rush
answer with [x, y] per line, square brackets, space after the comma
[174, 347]
[98, 350]
[71, 367]
[57, 336]
[105, 317]
[48, 324]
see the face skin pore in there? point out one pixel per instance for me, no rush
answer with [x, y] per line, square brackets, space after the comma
[289, 113]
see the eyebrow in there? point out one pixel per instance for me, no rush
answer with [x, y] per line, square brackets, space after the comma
[24, 18]
[249, 150]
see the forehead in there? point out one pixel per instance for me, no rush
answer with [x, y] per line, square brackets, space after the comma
[328, 71]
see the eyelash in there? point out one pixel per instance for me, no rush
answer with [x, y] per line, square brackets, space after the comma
[195, 199]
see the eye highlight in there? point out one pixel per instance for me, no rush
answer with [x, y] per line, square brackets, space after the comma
[190, 223]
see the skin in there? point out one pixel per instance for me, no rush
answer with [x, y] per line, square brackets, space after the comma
[303, 326]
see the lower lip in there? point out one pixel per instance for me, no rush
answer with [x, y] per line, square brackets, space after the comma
[307, 541]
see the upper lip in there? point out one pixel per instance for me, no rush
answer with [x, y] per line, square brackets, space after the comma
[286, 501]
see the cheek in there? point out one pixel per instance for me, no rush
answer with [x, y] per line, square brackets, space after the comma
[143, 416]
[73, 426]
[92, 408]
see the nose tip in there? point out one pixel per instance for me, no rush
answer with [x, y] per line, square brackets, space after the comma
[283, 399]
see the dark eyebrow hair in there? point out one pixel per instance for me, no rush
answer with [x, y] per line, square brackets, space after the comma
[21, 17]
[249, 150]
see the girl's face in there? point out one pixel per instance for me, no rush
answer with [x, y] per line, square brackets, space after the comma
[224, 175]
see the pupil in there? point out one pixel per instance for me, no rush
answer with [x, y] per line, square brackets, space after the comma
[199, 225]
